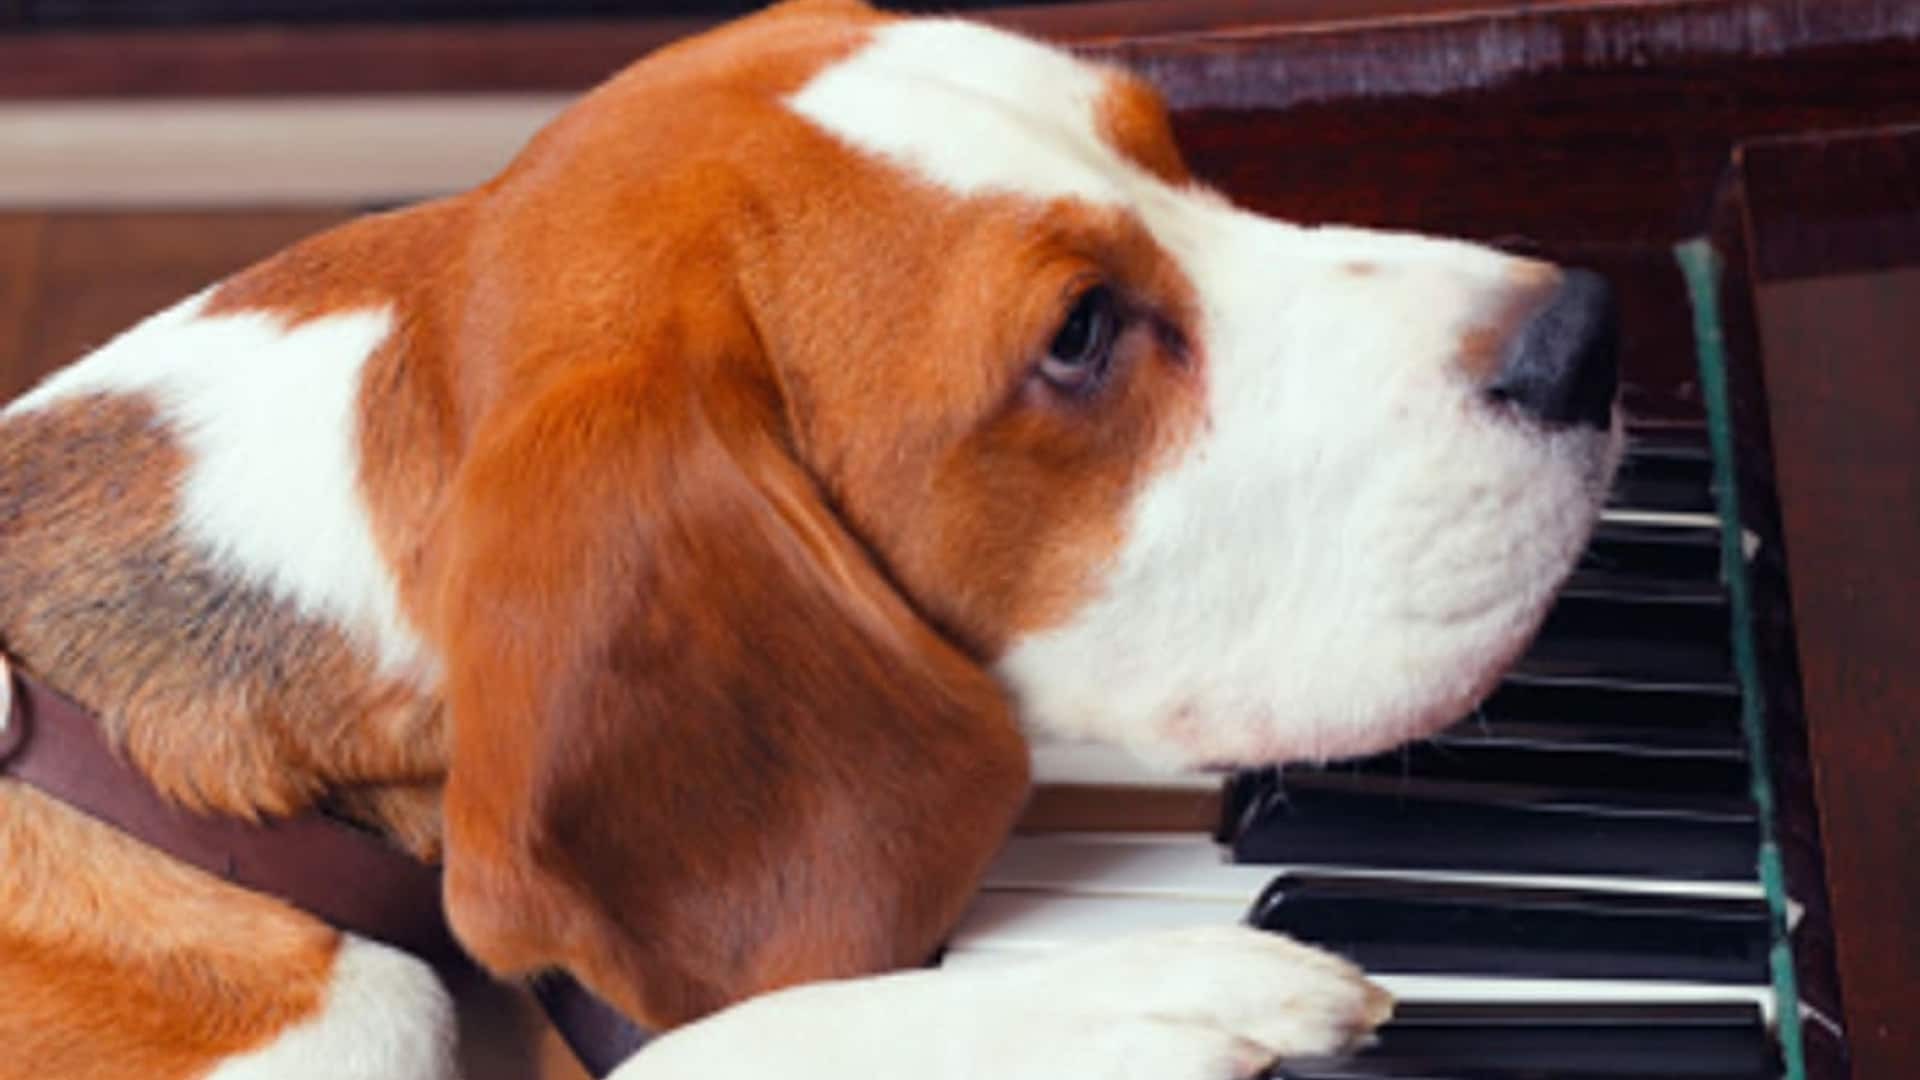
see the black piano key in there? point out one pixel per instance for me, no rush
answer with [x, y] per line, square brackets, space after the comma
[1647, 771]
[1627, 742]
[1595, 583]
[1398, 927]
[1654, 557]
[1633, 641]
[1603, 713]
[1361, 820]
[1527, 1041]
[1549, 669]
[1670, 472]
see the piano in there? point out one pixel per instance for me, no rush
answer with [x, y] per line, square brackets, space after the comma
[1678, 840]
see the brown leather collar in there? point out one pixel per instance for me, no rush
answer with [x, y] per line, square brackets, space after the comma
[350, 878]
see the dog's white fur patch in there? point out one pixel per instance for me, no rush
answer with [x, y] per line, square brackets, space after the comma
[386, 1017]
[1356, 541]
[1012, 115]
[266, 413]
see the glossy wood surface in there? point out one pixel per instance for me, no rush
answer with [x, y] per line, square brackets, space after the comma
[1834, 223]
[1474, 40]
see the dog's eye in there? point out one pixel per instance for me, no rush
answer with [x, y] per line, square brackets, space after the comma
[1078, 355]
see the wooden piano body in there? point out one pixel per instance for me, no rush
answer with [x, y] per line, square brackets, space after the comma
[1783, 136]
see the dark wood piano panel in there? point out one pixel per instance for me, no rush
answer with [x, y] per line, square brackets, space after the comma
[1594, 131]
[1832, 224]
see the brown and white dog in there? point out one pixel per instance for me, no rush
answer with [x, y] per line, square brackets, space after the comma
[680, 534]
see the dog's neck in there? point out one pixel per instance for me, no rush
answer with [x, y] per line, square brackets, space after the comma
[223, 698]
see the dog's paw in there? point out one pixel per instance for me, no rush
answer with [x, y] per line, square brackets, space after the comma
[1213, 1004]
[1136, 1048]
[1207, 1004]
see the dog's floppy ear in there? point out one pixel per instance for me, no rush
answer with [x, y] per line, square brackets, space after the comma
[700, 747]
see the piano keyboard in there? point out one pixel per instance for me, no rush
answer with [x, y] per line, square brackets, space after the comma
[1562, 885]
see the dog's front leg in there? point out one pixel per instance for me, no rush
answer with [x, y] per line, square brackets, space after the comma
[1207, 1004]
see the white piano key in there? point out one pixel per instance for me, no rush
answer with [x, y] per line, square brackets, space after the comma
[1468, 989]
[1172, 865]
[1038, 922]
[1100, 764]
[1671, 519]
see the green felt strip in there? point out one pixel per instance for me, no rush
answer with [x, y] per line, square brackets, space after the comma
[1700, 265]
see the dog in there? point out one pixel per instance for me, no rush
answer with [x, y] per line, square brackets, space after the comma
[680, 536]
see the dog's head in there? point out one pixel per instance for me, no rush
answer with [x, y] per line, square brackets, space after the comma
[844, 387]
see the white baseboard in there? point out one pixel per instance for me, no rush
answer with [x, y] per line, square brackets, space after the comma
[280, 152]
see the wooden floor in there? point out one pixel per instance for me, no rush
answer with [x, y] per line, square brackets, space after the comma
[70, 280]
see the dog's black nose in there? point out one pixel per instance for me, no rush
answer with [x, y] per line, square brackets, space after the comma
[1561, 367]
